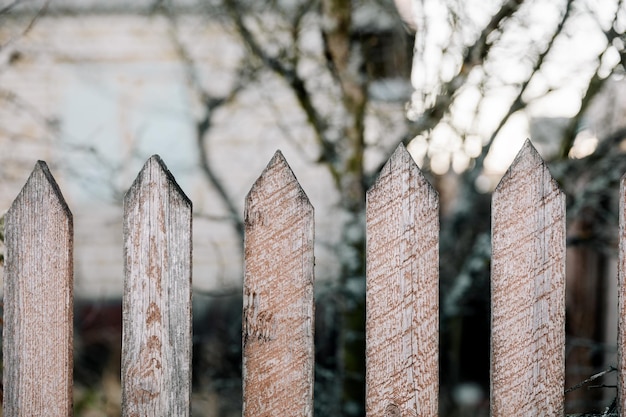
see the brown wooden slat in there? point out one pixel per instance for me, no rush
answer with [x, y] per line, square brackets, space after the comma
[621, 296]
[156, 335]
[278, 296]
[402, 323]
[528, 291]
[38, 301]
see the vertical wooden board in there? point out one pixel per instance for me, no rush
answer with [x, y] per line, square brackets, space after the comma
[38, 301]
[278, 316]
[156, 331]
[528, 291]
[621, 296]
[402, 318]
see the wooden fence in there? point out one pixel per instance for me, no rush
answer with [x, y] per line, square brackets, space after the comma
[402, 319]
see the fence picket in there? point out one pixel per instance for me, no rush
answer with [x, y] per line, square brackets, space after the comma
[156, 331]
[402, 323]
[38, 301]
[278, 296]
[621, 297]
[402, 286]
[528, 291]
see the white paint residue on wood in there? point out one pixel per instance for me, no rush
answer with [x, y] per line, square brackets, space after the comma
[156, 335]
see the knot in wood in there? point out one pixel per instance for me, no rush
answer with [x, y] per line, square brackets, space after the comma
[392, 410]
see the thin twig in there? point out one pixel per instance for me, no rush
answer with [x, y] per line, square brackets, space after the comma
[592, 378]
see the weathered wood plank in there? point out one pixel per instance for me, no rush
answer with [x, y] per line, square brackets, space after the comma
[38, 301]
[621, 297]
[402, 319]
[528, 291]
[278, 296]
[156, 332]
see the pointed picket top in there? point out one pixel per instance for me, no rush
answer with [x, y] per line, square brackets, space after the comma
[526, 161]
[38, 300]
[401, 159]
[41, 182]
[156, 333]
[528, 290]
[155, 167]
[278, 296]
[402, 294]
[621, 296]
[276, 173]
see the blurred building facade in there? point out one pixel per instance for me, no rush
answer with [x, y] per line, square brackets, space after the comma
[96, 88]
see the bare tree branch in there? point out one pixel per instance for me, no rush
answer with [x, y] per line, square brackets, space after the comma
[593, 88]
[518, 102]
[289, 74]
[204, 124]
[474, 56]
[592, 378]
[7, 8]
[31, 23]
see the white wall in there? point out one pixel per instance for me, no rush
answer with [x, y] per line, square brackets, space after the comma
[115, 91]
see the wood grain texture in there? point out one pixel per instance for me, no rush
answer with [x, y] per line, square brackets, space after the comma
[528, 291]
[621, 297]
[402, 319]
[38, 301]
[156, 332]
[278, 296]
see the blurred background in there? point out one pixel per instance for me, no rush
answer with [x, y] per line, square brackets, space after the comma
[216, 86]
